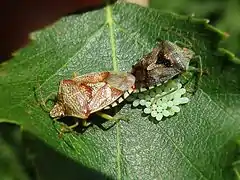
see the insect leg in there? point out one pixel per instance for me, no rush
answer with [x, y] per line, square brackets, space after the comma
[106, 116]
[85, 123]
[200, 68]
[67, 129]
[182, 44]
[189, 76]
[111, 118]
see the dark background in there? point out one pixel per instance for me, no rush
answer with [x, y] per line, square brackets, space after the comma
[19, 18]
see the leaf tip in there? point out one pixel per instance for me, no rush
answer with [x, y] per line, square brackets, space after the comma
[222, 34]
[231, 56]
[199, 20]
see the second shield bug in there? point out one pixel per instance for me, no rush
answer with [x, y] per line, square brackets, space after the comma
[163, 63]
[83, 95]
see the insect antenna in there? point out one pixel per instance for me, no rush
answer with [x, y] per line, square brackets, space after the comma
[43, 102]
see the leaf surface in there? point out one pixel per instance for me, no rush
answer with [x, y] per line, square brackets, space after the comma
[197, 143]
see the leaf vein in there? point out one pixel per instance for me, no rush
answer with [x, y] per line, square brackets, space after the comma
[210, 99]
[110, 22]
[179, 150]
[112, 39]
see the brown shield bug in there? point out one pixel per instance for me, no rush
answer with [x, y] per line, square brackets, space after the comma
[163, 63]
[83, 95]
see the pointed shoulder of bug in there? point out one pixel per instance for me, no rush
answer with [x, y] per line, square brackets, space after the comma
[92, 77]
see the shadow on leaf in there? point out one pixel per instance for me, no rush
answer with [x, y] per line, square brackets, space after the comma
[53, 165]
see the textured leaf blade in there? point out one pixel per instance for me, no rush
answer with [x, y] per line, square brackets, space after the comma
[190, 145]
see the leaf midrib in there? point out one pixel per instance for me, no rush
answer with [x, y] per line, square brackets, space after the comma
[109, 21]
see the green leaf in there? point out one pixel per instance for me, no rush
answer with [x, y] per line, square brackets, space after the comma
[197, 143]
[12, 163]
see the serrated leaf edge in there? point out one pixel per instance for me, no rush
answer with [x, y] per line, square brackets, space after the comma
[231, 56]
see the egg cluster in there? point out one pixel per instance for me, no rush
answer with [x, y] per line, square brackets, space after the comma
[161, 101]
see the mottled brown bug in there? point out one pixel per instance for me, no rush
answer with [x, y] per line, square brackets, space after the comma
[163, 63]
[83, 95]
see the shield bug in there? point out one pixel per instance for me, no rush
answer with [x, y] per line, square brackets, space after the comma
[163, 63]
[83, 95]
